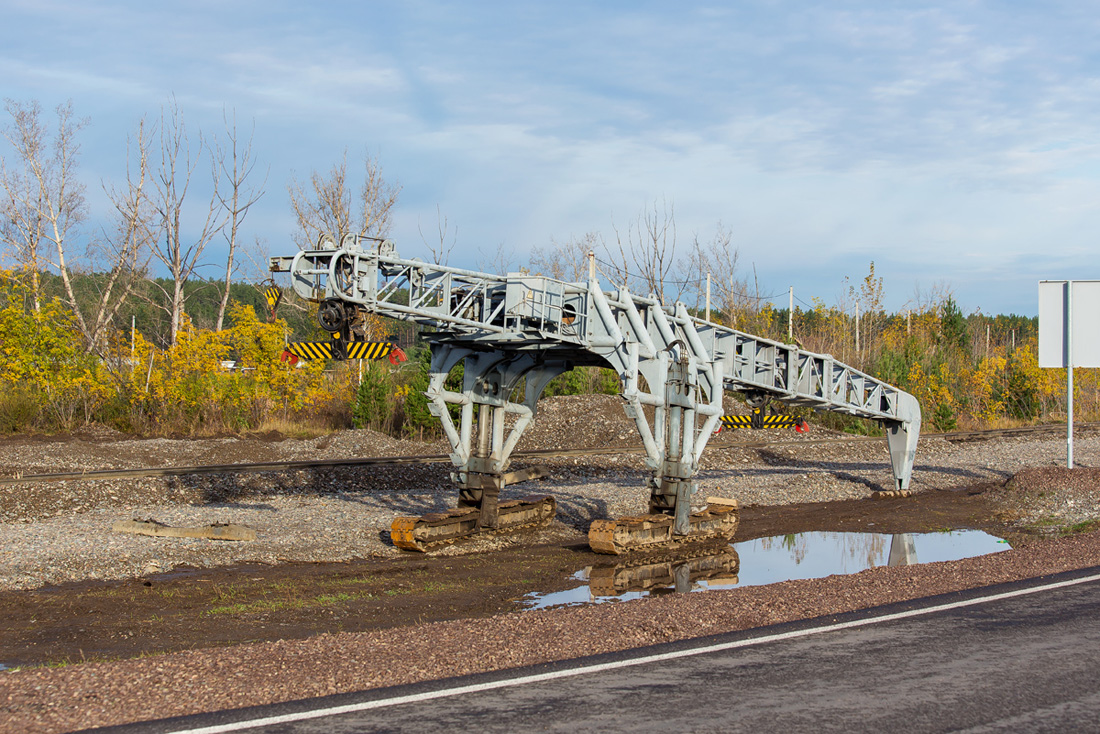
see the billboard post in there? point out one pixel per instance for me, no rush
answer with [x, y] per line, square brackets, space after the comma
[1069, 375]
[1069, 311]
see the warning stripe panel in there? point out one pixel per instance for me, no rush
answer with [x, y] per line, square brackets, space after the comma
[368, 350]
[327, 350]
[311, 350]
[272, 294]
[767, 421]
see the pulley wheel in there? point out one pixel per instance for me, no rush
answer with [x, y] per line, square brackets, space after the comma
[331, 315]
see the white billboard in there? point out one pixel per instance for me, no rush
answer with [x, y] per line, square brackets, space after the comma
[1069, 308]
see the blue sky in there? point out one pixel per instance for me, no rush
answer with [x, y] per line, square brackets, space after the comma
[955, 144]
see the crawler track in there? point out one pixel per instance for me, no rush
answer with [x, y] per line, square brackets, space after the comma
[279, 466]
[653, 533]
[437, 529]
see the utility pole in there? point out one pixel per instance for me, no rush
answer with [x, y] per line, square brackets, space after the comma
[857, 331]
[708, 295]
[790, 318]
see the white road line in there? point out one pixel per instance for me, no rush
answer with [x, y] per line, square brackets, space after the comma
[541, 677]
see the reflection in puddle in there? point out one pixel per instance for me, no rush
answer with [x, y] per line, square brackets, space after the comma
[766, 561]
[672, 574]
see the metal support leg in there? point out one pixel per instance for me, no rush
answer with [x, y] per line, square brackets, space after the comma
[684, 492]
[480, 446]
[672, 487]
[901, 437]
[490, 508]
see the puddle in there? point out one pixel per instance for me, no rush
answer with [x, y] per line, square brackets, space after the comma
[766, 561]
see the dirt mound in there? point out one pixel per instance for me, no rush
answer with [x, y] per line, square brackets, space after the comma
[1053, 498]
[580, 421]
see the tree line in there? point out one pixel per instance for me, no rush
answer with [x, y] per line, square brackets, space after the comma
[97, 323]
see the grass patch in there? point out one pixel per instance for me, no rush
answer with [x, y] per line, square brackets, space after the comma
[348, 580]
[300, 429]
[258, 606]
[227, 593]
[1058, 526]
[1083, 527]
[438, 586]
[329, 599]
[282, 586]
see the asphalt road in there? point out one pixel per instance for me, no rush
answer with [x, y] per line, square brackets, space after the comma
[1029, 662]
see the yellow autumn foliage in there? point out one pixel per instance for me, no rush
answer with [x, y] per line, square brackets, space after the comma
[208, 382]
[41, 357]
[966, 372]
[227, 380]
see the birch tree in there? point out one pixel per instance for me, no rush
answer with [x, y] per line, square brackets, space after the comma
[43, 207]
[645, 256]
[325, 204]
[234, 163]
[122, 253]
[43, 202]
[179, 241]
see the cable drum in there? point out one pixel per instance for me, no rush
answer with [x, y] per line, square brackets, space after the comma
[343, 274]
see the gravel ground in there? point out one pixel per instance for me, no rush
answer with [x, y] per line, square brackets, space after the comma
[60, 532]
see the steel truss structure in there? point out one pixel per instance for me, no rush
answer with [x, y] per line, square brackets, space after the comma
[516, 332]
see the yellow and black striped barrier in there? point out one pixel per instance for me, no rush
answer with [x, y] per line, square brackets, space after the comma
[758, 420]
[368, 350]
[311, 350]
[339, 349]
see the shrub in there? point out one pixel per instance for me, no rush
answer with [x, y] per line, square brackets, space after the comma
[374, 399]
[584, 381]
[18, 410]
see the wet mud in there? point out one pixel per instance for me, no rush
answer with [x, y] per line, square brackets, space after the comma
[187, 609]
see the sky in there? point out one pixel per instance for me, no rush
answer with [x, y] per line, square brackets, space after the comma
[955, 145]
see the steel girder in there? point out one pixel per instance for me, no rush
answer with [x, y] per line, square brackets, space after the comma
[516, 326]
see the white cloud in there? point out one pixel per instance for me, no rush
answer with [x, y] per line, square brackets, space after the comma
[937, 141]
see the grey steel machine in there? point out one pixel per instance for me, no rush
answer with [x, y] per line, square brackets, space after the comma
[516, 332]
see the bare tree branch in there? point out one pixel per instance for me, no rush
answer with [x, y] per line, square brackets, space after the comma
[177, 250]
[234, 165]
[645, 257]
[567, 260]
[720, 257]
[441, 252]
[325, 206]
[498, 262]
[126, 251]
[43, 202]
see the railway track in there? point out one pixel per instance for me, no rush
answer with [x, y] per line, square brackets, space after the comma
[279, 466]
